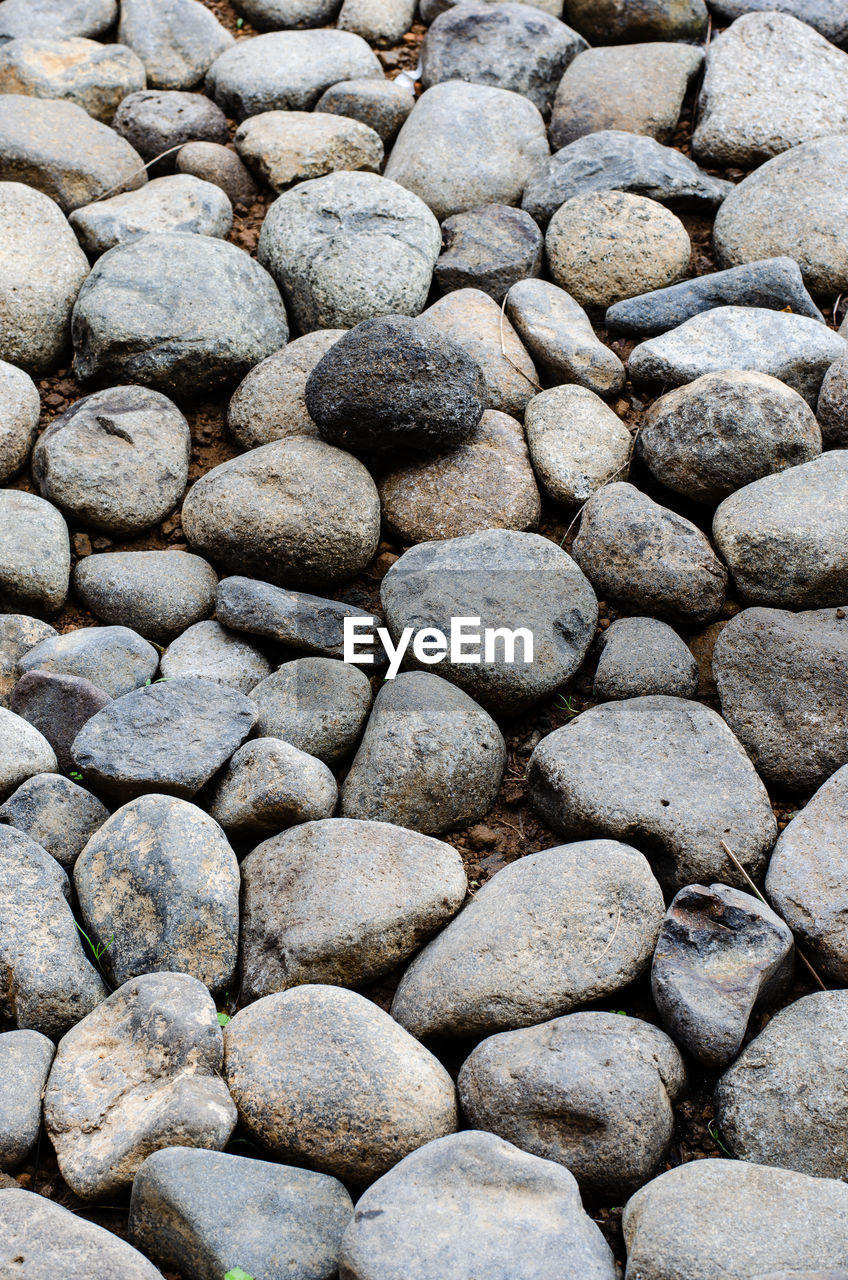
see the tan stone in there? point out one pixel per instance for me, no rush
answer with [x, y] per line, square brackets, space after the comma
[290, 146]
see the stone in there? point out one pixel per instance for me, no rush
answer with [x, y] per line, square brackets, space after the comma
[700, 789]
[317, 704]
[832, 407]
[35, 554]
[466, 1205]
[296, 511]
[713, 1218]
[154, 121]
[349, 247]
[783, 1101]
[47, 982]
[56, 813]
[162, 1088]
[485, 483]
[186, 315]
[293, 618]
[592, 1091]
[643, 556]
[721, 957]
[342, 902]
[270, 403]
[559, 336]
[489, 248]
[117, 460]
[25, 1058]
[217, 164]
[270, 15]
[24, 752]
[50, 1240]
[323, 1077]
[380, 22]
[211, 652]
[603, 246]
[775, 284]
[616, 21]
[158, 593]
[169, 737]
[177, 40]
[513, 581]
[577, 444]
[21, 410]
[158, 888]
[284, 147]
[431, 759]
[58, 706]
[287, 70]
[783, 537]
[723, 431]
[508, 46]
[382, 105]
[546, 934]
[795, 349]
[18, 634]
[269, 785]
[794, 205]
[115, 659]
[468, 144]
[642, 657]
[56, 19]
[176, 203]
[781, 678]
[615, 160]
[94, 76]
[651, 80]
[827, 16]
[198, 1210]
[792, 82]
[42, 269]
[429, 10]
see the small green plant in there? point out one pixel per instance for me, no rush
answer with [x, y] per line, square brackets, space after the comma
[239, 25]
[76, 775]
[712, 1129]
[97, 949]
[223, 1019]
[567, 705]
[622, 1013]
[237, 1274]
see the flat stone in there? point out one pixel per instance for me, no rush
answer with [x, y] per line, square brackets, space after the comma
[94, 76]
[382, 105]
[177, 40]
[25, 1058]
[342, 902]
[283, 147]
[157, 120]
[489, 248]
[18, 634]
[832, 407]
[559, 336]
[577, 444]
[158, 593]
[641, 657]
[293, 618]
[175, 203]
[56, 813]
[57, 706]
[35, 554]
[827, 16]
[217, 164]
[57, 19]
[701, 788]
[163, 1087]
[211, 652]
[615, 21]
[269, 785]
[270, 403]
[317, 704]
[380, 22]
[52, 1241]
[322, 1076]
[115, 659]
[546, 934]
[19, 416]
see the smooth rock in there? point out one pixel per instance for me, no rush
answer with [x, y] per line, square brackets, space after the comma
[19, 415]
[642, 657]
[617, 21]
[217, 164]
[175, 203]
[283, 147]
[158, 593]
[271, 401]
[56, 19]
[24, 752]
[832, 407]
[55, 813]
[50, 1240]
[177, 40]
[25, 1058]
[382, 105]
[94, 76]
[293, 618]
[18, 634]
[35, 554]
[380, 22]
[115, 659]
[489, 248]
[270, 15]
[577, 444]
[269, 785]
[211, 652]
[827, 16]
[157, 120]
[317, 704]
[57, 706]
[559, 336]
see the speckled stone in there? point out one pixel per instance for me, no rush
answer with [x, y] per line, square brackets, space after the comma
[270, 403]
[157, 593]
[56, 813]
[317, 704]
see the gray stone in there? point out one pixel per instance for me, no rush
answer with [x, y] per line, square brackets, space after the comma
[348, 247]
[396, 381]
[18, 634]
[158, 888]
[24, 752]
[116, 659]
[51, 1241]
[641, 657]
[287, 70]
[47, 982]
[827, 16]
[175, 203]
[784, 537]
[35, 554]
[269, 785]
[617, 21]
[382, 105]
[57, 706]
[721, 957]
[322, 1076]
[469, 1205]
[589, 778]
[380, 22]
[170, 737]
[116, 460]
[217, 164]
[317, 704]
[271, 401]
[25, 1058]
[157, 120]
[577, 444]
[19, 415]
[342, 902]
[771, 83]
[431, 758]
[546, 934]
[293, 618]
[56, 19]
[560, 338]
[511, 580]
[284, 147]
[430, 9]
[795, 349]
[784, 1101]
[616, 160]
[55, 813]
[296, 511]
[211, 652]
[198, 1210]
[489, 248]
[468, 144]
[42, 269]
[592, 1091]
[832, 407]
[177, 40]
[162, 1088]
[185, 314]
[94, 76]
[270, 15]
[157, 593]
[645, 557]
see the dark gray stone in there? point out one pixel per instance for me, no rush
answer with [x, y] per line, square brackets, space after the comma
[827, 16]
[211, 652]
[35, 554]
[217, 164]
[155, 120]
[640, 657]
[293, 618]
[177, 40]
[18, 419]
[269, 785]
[25, 1058]
[383, 105]
[115, 659]
[24, 752]
[269, 15]
[618, 21]
[559, 336]
[57, 705]
[51, 1241]
[56, 813]
[832, 408]
[176, 203]
[18, 634]
[57, 19]
[317, 704]
[489, 248]
[157, 593]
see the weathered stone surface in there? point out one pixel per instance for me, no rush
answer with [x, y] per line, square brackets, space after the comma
[174, 203]
[24, 752]
[614, 21]
[215, 163]
[832, 407]
[721, 956]
[269, 785]
[489, 248]
[158, 593]
[592, 1091]
[577, 444]
[317, 704]
[292, 618]
[157, 120]
[162, 1088]
[559, 336]
[641, 657]
[827, 16]
[177, 40]
[380, 22]
[381, 104]
[35, 554]
[18, 634]
[50, 1240]
[547, 933]
[56, 19]
[58, 706]
[115, 659]
[271, 402]
[322, 1076]
[284, 147]
[25, 1058]
[55, 813]
[700, 788]
[94, 76]
[270, 15]
[21, 409]
[211, 652]
[342, 902]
